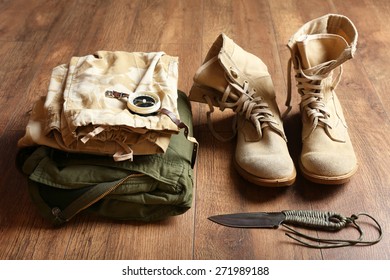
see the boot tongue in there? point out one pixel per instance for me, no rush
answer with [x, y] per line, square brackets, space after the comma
[320, 54]
[318, 49]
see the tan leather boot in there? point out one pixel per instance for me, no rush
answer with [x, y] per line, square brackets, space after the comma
[235, 79]
[318, 50]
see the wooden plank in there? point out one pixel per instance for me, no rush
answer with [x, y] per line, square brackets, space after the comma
[371, 20]
[36, 37]
[357, 95]
[249, 24]
[21, 22]
[25, 29]
[227, 192]
[366, 101]
[85, 231]
[167, 239]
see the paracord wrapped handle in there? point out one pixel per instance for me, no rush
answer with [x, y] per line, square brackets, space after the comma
[316, 219]
[326, 221]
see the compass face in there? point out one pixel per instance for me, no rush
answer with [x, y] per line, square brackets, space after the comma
[144, 101]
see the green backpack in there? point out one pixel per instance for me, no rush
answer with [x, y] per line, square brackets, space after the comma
[150, 188]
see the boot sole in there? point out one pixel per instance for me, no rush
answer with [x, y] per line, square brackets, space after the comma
[264, 182]
[326, 180]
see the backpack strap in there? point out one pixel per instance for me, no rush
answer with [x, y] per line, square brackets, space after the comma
[182, 125]
[87, 199]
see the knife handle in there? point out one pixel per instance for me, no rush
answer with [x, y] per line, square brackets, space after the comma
[315, 219]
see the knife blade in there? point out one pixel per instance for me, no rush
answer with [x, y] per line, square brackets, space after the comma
[307, 218]
[250, 220]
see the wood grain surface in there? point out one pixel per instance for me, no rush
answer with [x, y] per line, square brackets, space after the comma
[37, 35]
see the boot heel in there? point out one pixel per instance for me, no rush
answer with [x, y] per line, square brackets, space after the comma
[198, 93]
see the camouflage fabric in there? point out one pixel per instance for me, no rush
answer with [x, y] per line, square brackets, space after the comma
[149, 188]
[77, 116]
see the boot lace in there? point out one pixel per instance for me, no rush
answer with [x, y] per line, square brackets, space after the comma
[244, 101]
[310, 89]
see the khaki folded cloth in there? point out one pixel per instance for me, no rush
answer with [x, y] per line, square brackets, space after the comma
[78, 116]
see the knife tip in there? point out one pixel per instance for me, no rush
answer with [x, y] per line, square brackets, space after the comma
[214, 219]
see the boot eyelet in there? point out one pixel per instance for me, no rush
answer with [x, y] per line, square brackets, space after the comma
[234, 73]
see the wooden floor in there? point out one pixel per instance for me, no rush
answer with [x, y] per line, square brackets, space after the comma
[37, 35]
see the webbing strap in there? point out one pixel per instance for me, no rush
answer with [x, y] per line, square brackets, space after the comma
[87, 199]
[182, 125]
